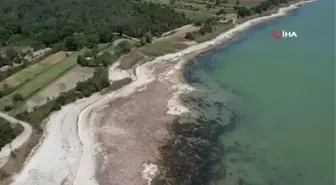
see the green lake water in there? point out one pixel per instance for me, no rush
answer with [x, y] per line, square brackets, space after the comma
[286, 90]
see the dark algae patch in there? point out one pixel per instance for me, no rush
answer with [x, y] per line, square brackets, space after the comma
[189, 155]
[192, 153]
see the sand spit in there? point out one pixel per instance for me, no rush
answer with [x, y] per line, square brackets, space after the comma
[113, 139]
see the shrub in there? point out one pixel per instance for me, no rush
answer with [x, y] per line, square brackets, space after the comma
[190, 36]
[17, 97]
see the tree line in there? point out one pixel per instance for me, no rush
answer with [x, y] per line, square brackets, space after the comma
[73, 24]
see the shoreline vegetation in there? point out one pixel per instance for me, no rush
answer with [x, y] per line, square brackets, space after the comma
[182, 132]
[8, 131]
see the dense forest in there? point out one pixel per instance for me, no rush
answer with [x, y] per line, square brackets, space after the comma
[8, 132]
[81, 22]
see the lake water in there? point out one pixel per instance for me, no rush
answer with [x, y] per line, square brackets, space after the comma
[286, 99]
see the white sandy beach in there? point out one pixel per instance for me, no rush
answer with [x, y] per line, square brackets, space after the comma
[67, 152]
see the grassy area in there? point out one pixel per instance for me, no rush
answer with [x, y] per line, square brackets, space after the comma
[43, 79]
[162, 47]
[195, 15]
[218, 29]
[197, 10]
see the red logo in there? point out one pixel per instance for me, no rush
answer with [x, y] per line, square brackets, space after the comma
[276, 34]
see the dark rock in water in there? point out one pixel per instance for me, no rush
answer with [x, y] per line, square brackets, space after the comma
[274, 169]
[299, 174]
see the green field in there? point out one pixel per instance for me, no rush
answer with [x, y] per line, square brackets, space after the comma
[112, 46]
[43, 79]
[162, 47]
[30, 72]
[218, 29]
[197, 10]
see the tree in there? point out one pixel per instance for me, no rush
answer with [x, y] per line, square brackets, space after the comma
[92, 40]
[221, 11]
[75, 42]
[242, 11]
[8, 108]
[205, 29]
[68, 30]
[17, 97]
[198, 23]
[124, 46]
[143, 41]
[211, 21]
[217, 2]
[190, 36]
[11, 53]
[148, 37]
[8, 132]
[105, 34]
[81, 60]
[172, 2]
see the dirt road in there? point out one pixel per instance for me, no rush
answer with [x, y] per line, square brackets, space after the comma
[18, 141]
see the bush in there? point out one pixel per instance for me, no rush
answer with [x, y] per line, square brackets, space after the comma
[148, 37]
[143, 41]
[190, 36]
[17, 97]
[221, 11]
[198, 23]
[205, 29]
[124, 46]
[8, 108]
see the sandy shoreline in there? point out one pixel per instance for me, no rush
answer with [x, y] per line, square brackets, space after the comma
[123, 129]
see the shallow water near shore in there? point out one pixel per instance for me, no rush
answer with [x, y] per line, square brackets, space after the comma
[285, 92]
